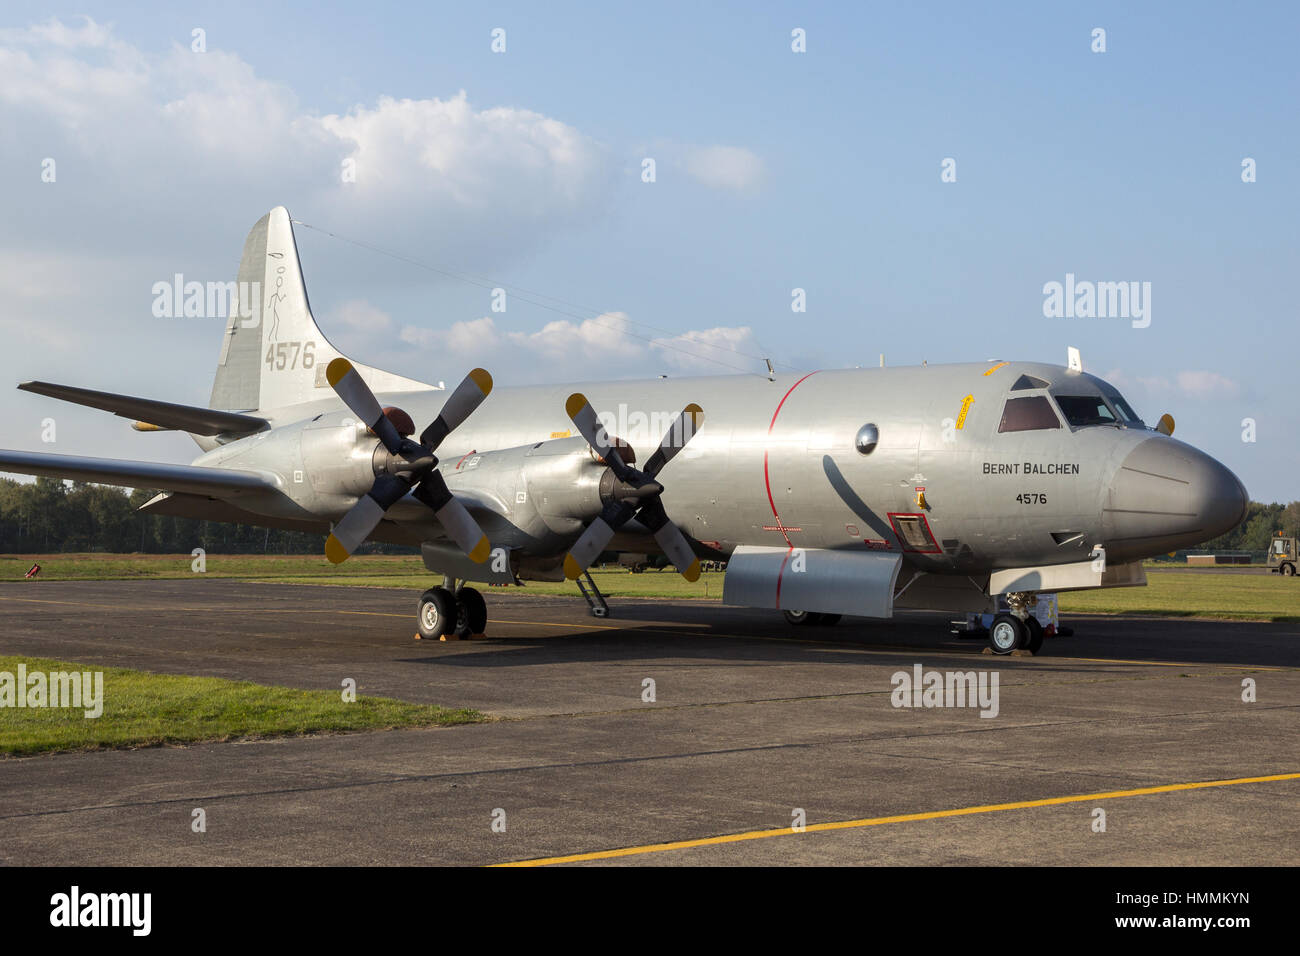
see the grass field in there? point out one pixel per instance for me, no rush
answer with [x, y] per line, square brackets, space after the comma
[142, 709]
[1199, 593]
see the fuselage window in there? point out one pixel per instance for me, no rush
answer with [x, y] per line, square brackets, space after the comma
[1083, 410]
[1028, 414]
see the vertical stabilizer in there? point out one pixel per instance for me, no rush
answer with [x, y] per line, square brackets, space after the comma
[275, 355]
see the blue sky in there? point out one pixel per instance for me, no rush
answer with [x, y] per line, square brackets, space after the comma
[775, 170]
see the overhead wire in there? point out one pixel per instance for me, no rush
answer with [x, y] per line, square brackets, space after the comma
[530, 298]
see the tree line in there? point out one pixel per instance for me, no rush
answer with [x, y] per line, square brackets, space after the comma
[48, 516]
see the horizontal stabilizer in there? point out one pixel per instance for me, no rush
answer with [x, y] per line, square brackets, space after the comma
[186, 418]
[192, 479]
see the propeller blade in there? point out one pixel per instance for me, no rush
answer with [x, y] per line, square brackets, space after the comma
[678, 550]
[587, 548]
[355, 526]
[357, 396]
[469, 395]
[455, 519]
[594, 540]
[584, 418]
[670, 538]
[683, 429]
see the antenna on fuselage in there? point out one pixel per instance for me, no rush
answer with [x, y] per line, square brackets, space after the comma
[771, 372]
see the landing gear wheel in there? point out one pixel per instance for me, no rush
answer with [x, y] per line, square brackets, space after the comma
[1035, 641]
[437, 613]
[471, 613]
[1007, 633]
[802, 617]
[829, 620]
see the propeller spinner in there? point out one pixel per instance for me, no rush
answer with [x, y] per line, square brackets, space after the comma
[640, 497]
[411, 466]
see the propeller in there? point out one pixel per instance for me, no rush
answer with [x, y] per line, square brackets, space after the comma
[1166, 424]
[638, 494]
[410, 466]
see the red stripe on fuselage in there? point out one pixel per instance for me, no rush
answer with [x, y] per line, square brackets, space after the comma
[767, 482]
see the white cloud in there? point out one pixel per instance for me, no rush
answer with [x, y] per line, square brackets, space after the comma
[1206, 384]
[359, 315]
[724, 167]
[495, 181]
[702, 351]
[609, 345]
[1191, 383]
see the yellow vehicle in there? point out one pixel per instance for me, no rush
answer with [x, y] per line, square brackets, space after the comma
[1282, 555]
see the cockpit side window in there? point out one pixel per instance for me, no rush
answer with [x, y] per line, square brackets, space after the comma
[1125, 410]
[1028, 414]
[1084, 410]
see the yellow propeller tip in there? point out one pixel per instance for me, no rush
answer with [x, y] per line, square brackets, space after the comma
[335, 371]
[482, 379]
[577, 401]
[692, 573]
[572, 570]
[481, 551]
[335, 551]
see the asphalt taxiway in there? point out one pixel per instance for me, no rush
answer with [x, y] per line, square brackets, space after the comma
[752, 721]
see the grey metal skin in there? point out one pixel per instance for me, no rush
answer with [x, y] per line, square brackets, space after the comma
[775, 464]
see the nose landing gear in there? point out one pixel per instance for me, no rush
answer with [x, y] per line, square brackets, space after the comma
[1017, 628]
[451, 614]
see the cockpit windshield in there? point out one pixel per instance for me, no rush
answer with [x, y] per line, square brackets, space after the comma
[1083, 410]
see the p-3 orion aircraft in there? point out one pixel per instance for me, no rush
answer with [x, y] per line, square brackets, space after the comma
[853, 491]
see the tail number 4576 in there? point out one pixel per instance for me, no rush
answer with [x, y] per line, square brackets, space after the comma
[288, 355]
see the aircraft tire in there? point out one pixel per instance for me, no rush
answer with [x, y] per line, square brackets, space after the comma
[471, 613]
[436, 613]
[1035, 641]
[802, 618]
[1007, 633]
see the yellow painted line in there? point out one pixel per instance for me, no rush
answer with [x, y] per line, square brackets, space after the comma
[900, 818]
[597, 627]
[996, 367]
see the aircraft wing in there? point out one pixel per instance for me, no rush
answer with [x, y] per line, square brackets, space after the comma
[191, 479]
[164, 415]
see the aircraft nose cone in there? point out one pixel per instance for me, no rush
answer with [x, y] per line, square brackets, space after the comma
[1167, 495]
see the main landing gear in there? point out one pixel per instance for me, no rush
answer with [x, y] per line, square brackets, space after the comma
[451, 613]
[1017, 628]
[814, 618]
